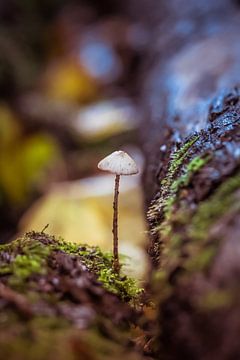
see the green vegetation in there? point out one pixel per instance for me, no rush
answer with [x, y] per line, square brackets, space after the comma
[168, 185]
[194, 165]
[215, 299]
[120, 285]
[222, 201]
[181, 229]
[54, 338]
[168, 208]
[53, 315]
[172, 212]
[195, 225]
[179, 155]
[29, 255]
[176, 224]
[101, 264]
[211, 210]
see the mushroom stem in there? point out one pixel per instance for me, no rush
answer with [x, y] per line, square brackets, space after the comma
[118, 163]
[116, 265]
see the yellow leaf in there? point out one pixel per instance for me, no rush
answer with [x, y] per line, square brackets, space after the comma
[67, 81]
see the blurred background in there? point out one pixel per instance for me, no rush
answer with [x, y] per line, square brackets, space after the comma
[68, 94]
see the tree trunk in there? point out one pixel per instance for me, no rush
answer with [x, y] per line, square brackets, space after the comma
[191, 141]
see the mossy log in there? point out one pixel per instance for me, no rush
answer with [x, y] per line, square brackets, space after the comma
[192, 178]
[63, 301]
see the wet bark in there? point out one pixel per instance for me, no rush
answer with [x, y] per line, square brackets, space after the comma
[191, 141]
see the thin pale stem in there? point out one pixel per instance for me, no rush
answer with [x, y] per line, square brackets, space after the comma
[116, 265]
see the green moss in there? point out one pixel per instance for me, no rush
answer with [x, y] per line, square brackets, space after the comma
[195, 227]
[195, 165]
[29, 256]
[215, 299]
[171, 184]
[174, 213]
[54, 334]
[179, 155]
[69, 248]
[176, 162]
[168, 204]
[53, 338]
[101, 264]
[217, 205]
[200, 259]
[125, 286]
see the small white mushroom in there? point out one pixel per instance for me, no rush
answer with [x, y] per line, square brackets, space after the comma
[118, 163]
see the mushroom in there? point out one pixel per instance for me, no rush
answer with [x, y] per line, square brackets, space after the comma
[118, 163]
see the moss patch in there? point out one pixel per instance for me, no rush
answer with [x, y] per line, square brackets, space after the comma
[211, 210]
[28, 255]
[54, 339]
[168, 207]
[61, 300]
[215, 299]
[168, 185]
[178, 156]
[101, 264]
[22, 258]
[178, 223]
[191, 168]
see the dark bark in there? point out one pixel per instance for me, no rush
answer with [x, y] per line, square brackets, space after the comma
[191, 142]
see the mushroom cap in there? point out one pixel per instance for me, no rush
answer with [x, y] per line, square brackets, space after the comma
[119, 163]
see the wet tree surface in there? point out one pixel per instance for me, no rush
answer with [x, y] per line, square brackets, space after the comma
[191, 142]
